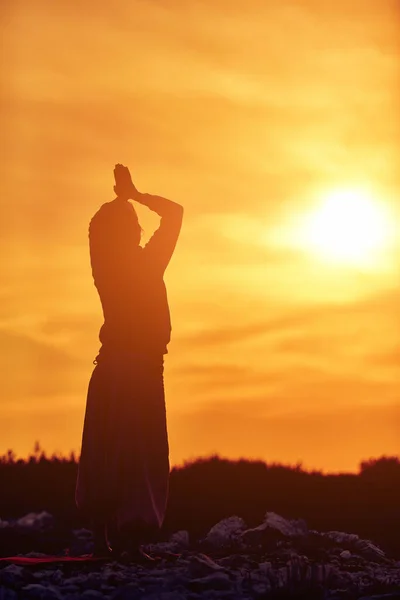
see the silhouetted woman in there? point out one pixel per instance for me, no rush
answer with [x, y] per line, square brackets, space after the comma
[122, 482]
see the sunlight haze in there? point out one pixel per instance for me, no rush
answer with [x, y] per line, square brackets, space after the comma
[350, 227]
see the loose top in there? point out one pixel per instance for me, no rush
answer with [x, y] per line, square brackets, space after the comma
[130, 283]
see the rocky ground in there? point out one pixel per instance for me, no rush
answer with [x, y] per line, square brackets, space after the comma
[279, 559]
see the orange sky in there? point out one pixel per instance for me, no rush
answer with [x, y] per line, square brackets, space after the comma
[243, 112]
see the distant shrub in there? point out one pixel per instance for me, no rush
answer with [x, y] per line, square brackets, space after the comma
[383, 468]
[208, 489]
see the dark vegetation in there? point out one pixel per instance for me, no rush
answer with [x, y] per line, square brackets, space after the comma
[206, 490]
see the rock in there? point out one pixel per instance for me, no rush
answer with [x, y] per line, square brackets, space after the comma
[234, 561]
[225, 532]
[214, 581]
[12, 574]
[7, 594]
[78, 580]
[117, 578]
[299, 558]
[92, 595]
[263, 534]
[354, 542]
[107, 589]
[93, 581]
[69, 589]
[370, 550]
[180, 539]
[41, 592]
[152, 581]
[340, 537]
[289, 528]
[177, 542]
[37, 521]
[165, 596]
[265, 567]
[202, 565]
[162, 547]
[79, 546]
[260, 590]
[83, 534]
[128, 592]
[273, 529]
[390, 596]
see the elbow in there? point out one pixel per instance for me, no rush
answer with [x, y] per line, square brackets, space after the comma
[178, 210]
[174, 212]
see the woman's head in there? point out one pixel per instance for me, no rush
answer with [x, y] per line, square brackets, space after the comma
[114, 232]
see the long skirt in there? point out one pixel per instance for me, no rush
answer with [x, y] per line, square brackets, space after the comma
[124, 464]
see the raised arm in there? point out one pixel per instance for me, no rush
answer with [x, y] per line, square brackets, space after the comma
[162, 206]
[162, 244]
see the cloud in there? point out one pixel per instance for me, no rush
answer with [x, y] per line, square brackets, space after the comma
[218, 378]
[36, 372]
[329, 355]
[225, 335]
[389, 358]
[75, 325]
[291, 327]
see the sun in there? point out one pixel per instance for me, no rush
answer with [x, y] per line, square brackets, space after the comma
[347, 226]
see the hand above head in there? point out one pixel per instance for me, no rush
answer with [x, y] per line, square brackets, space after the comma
[125, 191]
[124, 187]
